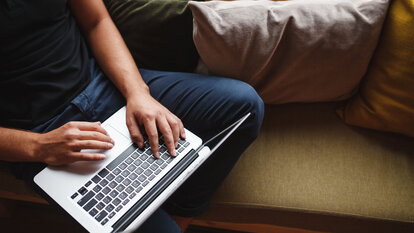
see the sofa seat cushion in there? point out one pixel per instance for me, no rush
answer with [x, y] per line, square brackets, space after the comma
[306, 160]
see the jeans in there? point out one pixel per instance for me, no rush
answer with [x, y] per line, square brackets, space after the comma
[205, 104]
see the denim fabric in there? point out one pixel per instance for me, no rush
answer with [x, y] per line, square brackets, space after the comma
[205, 104]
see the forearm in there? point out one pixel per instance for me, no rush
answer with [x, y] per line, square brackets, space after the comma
[17, 145]
[109, 49]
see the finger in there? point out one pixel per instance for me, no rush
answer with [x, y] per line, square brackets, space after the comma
[134, 131]
[166, 131]
[91, 144]
[93, 135]
[85, 156]
[89, 126]
[182, 130]
[174, 123]
[151, 129]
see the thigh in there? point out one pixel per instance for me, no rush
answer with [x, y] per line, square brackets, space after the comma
[205, 104]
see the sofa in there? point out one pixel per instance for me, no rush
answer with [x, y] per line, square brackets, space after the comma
[307, 171]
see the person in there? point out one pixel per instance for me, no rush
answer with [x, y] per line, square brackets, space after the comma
[64, 68]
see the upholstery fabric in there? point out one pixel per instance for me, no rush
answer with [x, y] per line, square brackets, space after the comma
[290, 51]
[157, 32]
[386, 98]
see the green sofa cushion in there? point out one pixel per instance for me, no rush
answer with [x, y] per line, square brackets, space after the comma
[159, 33]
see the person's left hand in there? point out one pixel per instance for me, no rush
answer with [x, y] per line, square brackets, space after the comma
[144, 110]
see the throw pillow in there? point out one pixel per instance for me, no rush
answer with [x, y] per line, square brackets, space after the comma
[157, 32]
[386, 98]
[290, 51]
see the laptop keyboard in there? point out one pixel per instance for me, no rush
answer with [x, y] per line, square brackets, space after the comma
[121, 180]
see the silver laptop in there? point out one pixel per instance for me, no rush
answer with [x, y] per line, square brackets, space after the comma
[119, 193]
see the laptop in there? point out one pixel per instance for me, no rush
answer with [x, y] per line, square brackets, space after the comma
[119, 193]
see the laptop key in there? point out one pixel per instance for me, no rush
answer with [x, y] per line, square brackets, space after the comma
[106, 190]
[139, 170]
[93, 212]
[97, 188]
[131, 168]
[133, 176]
[126, 173]
[154, 167]
[132, 195]
[123, 195]
[101, 215]
[74, 195]
[138, 189]
[137, 162]
[110, 177]
[116, 201]
[151, 177]
[83, 190]
[100, 206]
[107, 199]
[120, 187]
[145, 165]
[110, 207]
[136, 183]
[113, 194]
[104, 221]
[111, 215]
[158, 171]
[121, 157]
[126, 182]
[125, 202]
[96, 179]
[118, 208]
[88, 183]
[116, 171]
[90, 204]
[99, 196]
[103, 173]
[145, 183]
[129, 190]
[113, 184]
[142, 178]
[134, 155]
[86, 198]
[122, 166]
[103, 183]
[148, 172]
[129, 160]
[119, 179]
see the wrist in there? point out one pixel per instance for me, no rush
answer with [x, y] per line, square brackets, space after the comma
[34, 146]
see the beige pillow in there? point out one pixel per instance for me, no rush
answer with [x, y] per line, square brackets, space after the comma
[290, 51]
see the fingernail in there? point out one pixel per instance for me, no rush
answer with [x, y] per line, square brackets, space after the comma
[157, 155]
[176, 144]
[140, 144]
[173, 153]
[112, 141]
[183, 134]
[101, 156]
[110, 145]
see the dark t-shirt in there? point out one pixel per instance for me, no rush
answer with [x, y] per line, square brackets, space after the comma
[44, 61]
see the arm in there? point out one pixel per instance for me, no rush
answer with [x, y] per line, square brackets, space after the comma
[116, 61]
[57, 147]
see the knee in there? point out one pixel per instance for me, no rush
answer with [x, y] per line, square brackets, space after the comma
[245, 99]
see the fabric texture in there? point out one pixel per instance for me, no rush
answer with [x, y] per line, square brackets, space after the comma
[290, 51]
[386, 97]
[44, 61]
[158, 33]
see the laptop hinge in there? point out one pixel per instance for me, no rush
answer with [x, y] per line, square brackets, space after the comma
[154, 192]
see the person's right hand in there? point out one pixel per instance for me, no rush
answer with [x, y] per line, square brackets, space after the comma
[64, 144]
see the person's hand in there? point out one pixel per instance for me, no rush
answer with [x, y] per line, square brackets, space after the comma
[64, 144]
[143, 110]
